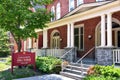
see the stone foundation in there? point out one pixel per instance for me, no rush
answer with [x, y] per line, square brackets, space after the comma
[71, 56]
[104, 56]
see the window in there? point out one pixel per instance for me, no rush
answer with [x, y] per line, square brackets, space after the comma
[79, 2]
[79, 37]
[71, 5]
[58, 11]
[53, 12]
[99, 0]
[55, 39]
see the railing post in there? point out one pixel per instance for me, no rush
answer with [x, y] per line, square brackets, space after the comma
[81, 67]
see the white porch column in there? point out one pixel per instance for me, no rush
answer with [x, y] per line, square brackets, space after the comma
[30, 43]
[103, 30]
[45, 38]
[72, 34]
[25, 45]
[109, 30]
[68, 35]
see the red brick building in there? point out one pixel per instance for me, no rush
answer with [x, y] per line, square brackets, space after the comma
[84, 24]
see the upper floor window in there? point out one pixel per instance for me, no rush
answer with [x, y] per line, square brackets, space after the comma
[53, 12]
[79, 2]
[58, 12]
[71, 5]
[99, 0]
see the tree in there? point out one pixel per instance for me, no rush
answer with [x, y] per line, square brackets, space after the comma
[4, 43]
[21, 17]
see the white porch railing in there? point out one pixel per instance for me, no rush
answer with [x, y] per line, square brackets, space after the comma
[116, 56]
[50, 52]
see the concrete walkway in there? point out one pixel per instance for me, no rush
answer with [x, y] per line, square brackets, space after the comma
[47, 77]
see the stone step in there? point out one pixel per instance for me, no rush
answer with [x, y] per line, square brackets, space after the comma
[79, 65]
[79, 72]
[77, 68]
[73, 76]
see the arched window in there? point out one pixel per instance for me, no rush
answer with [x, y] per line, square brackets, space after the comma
[58, 12]
[53, 12]
[71, 5]
[55, 39]
[79, 2]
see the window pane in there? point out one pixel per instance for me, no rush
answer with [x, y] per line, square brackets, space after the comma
[71, 5]
[76, 31]
[81, 30]
[76, 42]
[79, 2]
[81, 42]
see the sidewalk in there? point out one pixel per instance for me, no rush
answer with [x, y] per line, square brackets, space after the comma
[47, 77]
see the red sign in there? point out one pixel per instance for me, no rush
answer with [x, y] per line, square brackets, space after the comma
[23, 59]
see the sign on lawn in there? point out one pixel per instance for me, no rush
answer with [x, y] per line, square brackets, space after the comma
[23, 59]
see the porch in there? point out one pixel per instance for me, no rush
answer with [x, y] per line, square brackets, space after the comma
[70, 55]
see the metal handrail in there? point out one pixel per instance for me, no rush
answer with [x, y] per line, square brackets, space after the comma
[66, 53]
[85, 55]
[62, 65]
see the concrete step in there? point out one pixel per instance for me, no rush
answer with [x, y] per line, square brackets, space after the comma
[73, 76]
[84, 65]
[77, 67]
[78, 72]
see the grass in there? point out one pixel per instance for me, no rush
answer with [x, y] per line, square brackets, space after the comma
[3, 66]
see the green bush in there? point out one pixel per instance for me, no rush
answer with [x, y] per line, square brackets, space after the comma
[107, 71]
[99, 77]
[4, 54]
[104, 73]
[48, 64]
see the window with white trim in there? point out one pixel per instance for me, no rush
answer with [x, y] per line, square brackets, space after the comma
[58, 11]
[79, 2]
[98, 0]
[79, 37]
[53, 12]
[71, 5]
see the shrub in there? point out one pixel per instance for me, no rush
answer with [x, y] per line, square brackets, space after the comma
[4, 54]
[48, 64]
[107, 71]
[99, 77]
[104, 73]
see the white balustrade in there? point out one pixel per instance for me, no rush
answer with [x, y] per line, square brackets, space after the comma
[50, 52]
[116, 56]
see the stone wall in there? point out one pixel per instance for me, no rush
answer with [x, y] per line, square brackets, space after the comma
[104, 56]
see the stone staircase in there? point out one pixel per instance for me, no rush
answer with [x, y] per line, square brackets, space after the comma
[75, 71]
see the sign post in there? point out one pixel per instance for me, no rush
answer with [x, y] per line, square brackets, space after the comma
[23, 59]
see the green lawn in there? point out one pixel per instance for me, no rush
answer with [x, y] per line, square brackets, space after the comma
[3, 66]
[5, 63]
